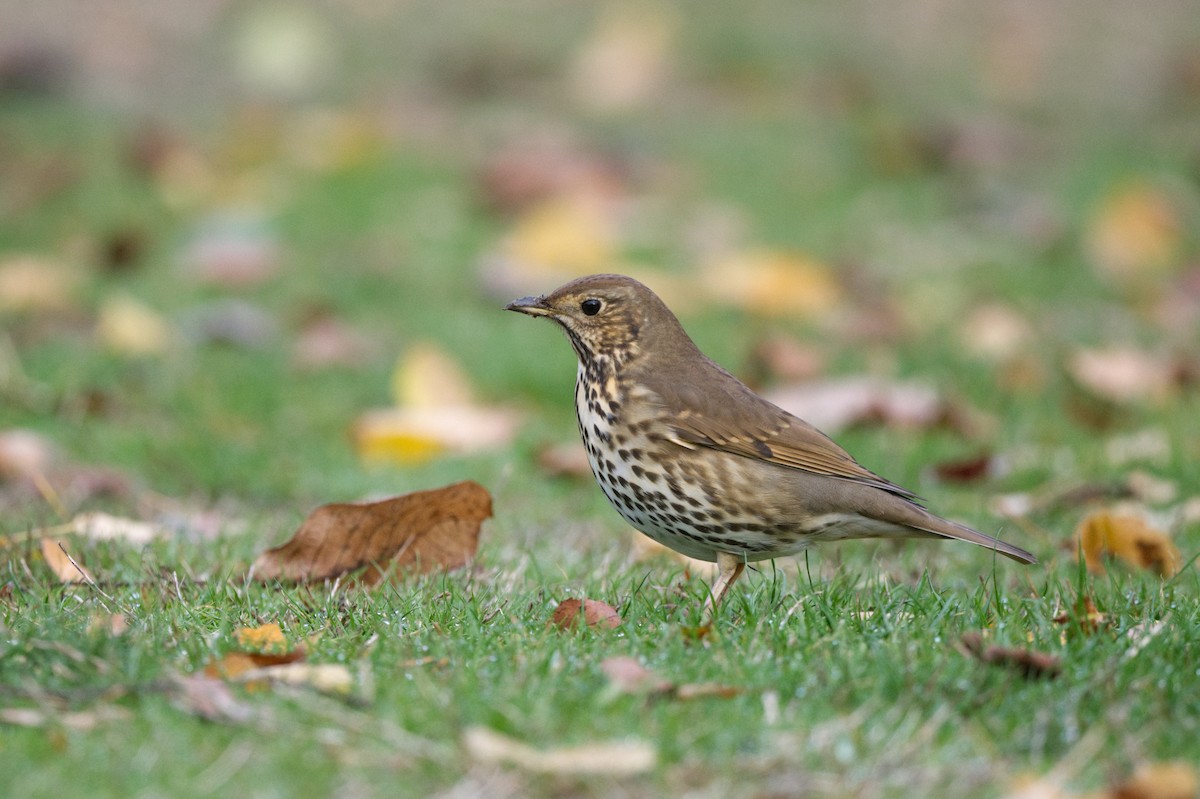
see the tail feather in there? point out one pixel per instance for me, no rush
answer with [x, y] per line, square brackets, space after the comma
[948, 529]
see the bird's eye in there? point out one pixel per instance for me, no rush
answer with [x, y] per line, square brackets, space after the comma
[590, 306]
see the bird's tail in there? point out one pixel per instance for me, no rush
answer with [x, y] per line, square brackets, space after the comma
[948, 529]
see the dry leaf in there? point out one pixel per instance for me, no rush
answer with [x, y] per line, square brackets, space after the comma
[425, 530]
[31, 284]
[262, 638]
[779, 358]
[564, 235]
[629, 676]
[1129, 538]
[329, 678]
[770, 283]
[535, 168]
[594, 614]
[210, 699]
[65, 568]
[625, 62]
[24, 454]
[1135, 234]
[705, 690]
[427, 377]
[1083, 616]
[235, 665]
[835, 404]
[1170, 780]
[995, 332]
[621, 758]
[1140, 636]
[408, 436]
[1029, 664]
[114, 624]
[971, 470]
[325, 341]
[105, 527]
[436, 414]
[1124, 375]
[81, 721]
[128, 327]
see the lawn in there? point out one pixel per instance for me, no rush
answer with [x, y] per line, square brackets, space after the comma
[1000, 211]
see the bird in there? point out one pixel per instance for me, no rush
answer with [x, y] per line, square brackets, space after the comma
[696, 460]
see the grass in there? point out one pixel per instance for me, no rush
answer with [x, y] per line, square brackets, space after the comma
[849, 674]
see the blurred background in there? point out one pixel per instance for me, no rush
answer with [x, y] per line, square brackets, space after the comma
[228, 230]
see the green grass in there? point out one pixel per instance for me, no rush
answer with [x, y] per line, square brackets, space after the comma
[849, 675]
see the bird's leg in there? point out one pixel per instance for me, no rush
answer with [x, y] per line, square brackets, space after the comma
[729, 568]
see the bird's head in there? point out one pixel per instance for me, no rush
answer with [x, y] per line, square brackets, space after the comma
[609, 316]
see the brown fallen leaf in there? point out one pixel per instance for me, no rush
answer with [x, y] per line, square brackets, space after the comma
[594, 614]
[1128, 537]
[234, 665]
[987, 466]
[1169, 780]
[66, 568]
[1124, 375]
[1084, 616]
[1029, 664]
[423, 531]
[610, 758]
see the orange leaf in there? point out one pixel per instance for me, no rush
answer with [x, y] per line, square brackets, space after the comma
[1171, 780]
[1129, 538]
[594, 614]
[423, 531]
[263, 637]
[65, 568]
[235, 664]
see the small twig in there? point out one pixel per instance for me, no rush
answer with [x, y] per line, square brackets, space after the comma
[87, 578]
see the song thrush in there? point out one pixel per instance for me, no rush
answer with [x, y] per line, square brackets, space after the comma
[693, 458]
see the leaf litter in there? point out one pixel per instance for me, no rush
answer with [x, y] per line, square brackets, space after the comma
[435, 530]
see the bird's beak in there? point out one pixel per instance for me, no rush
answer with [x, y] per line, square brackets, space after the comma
[531, 306]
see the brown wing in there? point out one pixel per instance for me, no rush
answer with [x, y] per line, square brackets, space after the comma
[743, 423]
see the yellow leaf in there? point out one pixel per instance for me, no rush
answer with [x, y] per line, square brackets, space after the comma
[29, 283]
[771, 283]
[1129, 538]
[1136, 232]
[408, 436]
[262, 638]
[65, 568]
[625, 62]
[427, 377]
[128, 327]
[565, 234]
